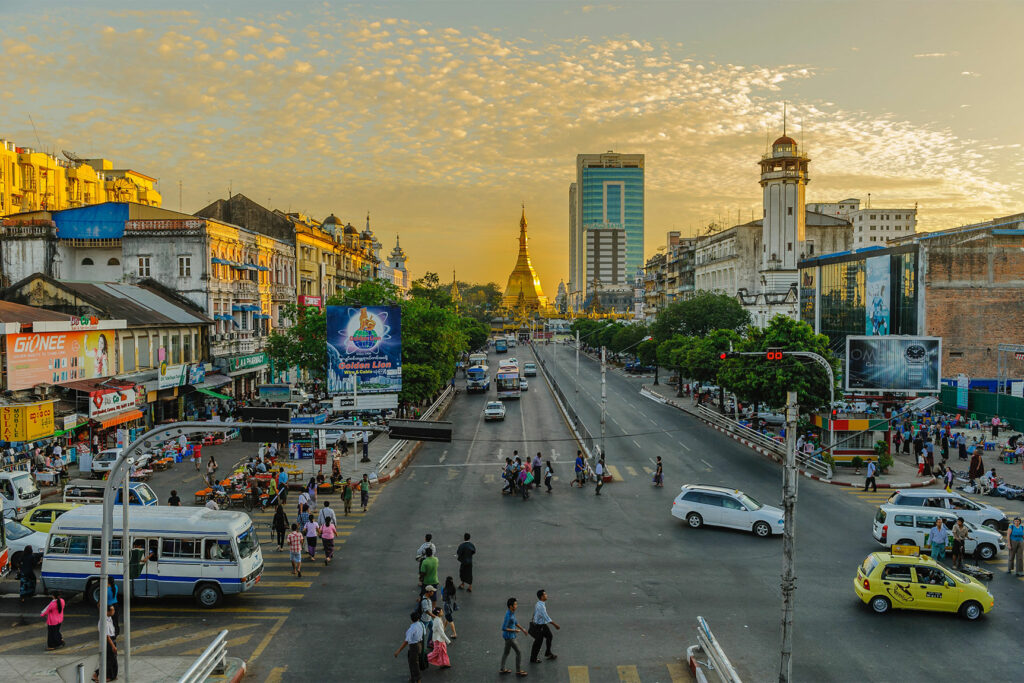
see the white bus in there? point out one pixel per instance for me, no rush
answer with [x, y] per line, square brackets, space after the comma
[507, 381]
[191, 551]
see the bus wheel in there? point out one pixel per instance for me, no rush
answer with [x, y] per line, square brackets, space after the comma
[208, 595]
[92, 593]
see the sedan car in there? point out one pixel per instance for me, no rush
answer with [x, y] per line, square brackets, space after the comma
[494, 410]
[524, 385]
[718, 506]
[911, 581]
[20, 537]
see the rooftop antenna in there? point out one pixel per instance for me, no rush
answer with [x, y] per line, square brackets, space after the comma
[179, 194]
[783, 119]
[35, 132]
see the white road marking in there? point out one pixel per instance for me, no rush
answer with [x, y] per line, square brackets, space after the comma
[444, 454]
[702, 460]
[612, 419]
[683, 444]
[469, 451]
[633, 440]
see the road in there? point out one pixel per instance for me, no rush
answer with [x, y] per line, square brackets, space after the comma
[626, 580]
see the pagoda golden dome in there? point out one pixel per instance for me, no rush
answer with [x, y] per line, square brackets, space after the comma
[523, 288]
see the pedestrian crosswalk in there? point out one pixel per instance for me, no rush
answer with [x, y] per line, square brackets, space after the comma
[665, 672]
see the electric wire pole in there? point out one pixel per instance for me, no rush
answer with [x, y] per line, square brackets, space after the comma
[788, 546]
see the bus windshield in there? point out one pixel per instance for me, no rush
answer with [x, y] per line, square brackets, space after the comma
[247, 543]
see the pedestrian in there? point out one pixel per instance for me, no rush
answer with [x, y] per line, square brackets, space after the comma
[510, 628]
[439, 653]
[113, 598]
[366, 445]
[977, 466]
[939, 538]
[364, 492]
[346, 495]
[280, 525]
[449, 603]
[327, 532]
[111, 648]
[540, 630]
[869, 479]
[537, 468]
[1015, 543]
[414, 637]
[960, 535]
[295, 550]
[327, 515]
[659, 474]
[549, 473]
[599, 476]
[465, 553]
[428, 570]
[996, 423]
[54, 613]
[27, 587]
[311, 490]
[580, 469]
[947, 478]
[422, 552]
[311, 529]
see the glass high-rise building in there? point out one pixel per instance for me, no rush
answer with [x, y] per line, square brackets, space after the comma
[608, 194]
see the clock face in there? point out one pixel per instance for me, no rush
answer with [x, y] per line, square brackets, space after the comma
[915, 352]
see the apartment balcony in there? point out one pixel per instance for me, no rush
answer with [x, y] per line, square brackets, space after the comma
[246, 288]
[282, 293]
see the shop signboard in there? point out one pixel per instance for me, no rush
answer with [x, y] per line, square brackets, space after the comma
[26, 421]
[275, 393]
[364, 350]
[106, 402]
[71, 421]
[58, 357]
[878, 293]
[368, 402]
[252, 361]
[171, 376]
[306, 300]
[196, 374]
[893, 363]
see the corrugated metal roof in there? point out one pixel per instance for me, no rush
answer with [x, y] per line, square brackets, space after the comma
[17, 313]
[137, 305]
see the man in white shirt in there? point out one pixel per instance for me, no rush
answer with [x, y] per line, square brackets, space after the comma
[540, 630]
[111, 647]
[326, 514]
[422, 552]
[414, 640]
[599, 472]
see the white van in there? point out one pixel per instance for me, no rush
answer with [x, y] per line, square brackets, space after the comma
[191, 551]
[961, 506]
[903, 525]
[18, 493]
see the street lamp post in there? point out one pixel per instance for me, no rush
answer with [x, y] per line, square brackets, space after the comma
[604, 402]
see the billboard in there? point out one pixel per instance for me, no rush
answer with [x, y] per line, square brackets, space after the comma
[58, 357]
[171, 376]
[893, 363]
[26, 421]
[364, 349]
[275, 393]
[877, 299]
[106, 402]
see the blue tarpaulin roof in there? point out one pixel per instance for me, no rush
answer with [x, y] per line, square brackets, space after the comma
[100, 221]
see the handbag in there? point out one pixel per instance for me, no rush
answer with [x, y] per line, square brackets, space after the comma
[532, 631]
[423, 650]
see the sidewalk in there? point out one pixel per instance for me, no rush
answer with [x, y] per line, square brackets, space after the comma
[145, 669]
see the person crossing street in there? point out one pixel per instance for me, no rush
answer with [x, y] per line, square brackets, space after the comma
[540, 630]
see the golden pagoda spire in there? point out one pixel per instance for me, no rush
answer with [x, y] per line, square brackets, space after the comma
[523, 286]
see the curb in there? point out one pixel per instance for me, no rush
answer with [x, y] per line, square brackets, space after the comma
[240, 674]
[775, 458]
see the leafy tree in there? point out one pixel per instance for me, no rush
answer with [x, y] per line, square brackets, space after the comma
[627, 336]
[429, 287]
[369, 293]
[671, 353]
[699, 315]
[756, 380]
[417, 382]
[304, 344]
[475, 331]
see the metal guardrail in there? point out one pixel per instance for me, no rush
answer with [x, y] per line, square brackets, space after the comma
[399, 445]
[586, 439]
[211, 661]
[717, 665]
[807, 462]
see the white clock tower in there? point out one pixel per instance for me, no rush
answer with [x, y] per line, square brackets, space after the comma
[784, 180]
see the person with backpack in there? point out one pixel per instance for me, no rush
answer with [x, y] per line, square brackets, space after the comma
[280, 525]
[54, 614]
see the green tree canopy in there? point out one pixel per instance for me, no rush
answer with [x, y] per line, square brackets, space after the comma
[699, 315]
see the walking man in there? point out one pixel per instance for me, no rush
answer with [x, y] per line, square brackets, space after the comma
[580, 469]
[295, 549]
[960, 535]
[599, 471]
[510, 628]
[540, 630]
[364, 492]
[465, 553]
[326, 515]
[346, 495]
[869, 480]
[414, 641]
[428, 571]
[1015, 541]
[366, 446]
[659, 475]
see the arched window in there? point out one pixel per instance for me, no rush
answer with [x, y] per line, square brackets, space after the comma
[87, 261]
[113, 262]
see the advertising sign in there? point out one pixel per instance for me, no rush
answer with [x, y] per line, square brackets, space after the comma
[275, 393]
[893, 363]
[370, 402]
[307, 300]
[26, 421]
[877, 299]
[963, 383]
[109, 401]
[58, 358]
[196, 374]
[171, 376]
[248, 362]
[364, 349]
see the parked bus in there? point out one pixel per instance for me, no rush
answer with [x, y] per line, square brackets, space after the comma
[191, 551]
[477, 359]
[478, 378]
[507, 381]
[500, 345]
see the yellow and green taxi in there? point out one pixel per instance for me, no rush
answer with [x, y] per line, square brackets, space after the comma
[903, 579]
[41, 517]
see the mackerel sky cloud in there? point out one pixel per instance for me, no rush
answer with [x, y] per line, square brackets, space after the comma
[441, 122]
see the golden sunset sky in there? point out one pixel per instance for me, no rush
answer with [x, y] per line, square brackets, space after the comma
[441, 117]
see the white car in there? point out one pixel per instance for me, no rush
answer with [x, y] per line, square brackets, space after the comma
[718, 506]
[524, 385]
[494, 410]
[19, 537]
[962, 506]
[511, 361]
[104, 461]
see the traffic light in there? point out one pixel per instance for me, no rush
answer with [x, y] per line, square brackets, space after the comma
[727, 354]
[773, 354]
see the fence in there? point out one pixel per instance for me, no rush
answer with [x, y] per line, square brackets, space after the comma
[399, 445]
[716, 665]
[211, 661]
[984, 405]
[586, 439]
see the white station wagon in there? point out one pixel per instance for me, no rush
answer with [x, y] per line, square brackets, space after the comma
[718, 506]
[494, 410]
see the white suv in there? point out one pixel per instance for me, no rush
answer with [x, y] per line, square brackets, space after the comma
[718, 506]
[961, 506]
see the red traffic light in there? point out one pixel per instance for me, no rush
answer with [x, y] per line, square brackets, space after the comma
[723, 355]
[773, 354]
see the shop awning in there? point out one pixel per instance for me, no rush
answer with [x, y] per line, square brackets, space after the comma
[214, 394]
[121, 419]
[213, 381]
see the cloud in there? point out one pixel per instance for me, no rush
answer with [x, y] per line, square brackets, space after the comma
[934, 55]
[970, 74]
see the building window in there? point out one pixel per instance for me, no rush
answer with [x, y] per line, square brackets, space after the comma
[175, 349]
[144, 360]
[789, 210]
[143, 266]
[873, 238]
[87, 261]
[187, 348]
[872, 216]
[872, 227]
[113, 262]
[789, 246]
[127, 355]
[184, 266]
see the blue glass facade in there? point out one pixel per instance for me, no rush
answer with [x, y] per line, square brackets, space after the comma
[614, 197]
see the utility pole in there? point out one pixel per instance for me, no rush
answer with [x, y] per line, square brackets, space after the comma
[604, 400]
[576, 381]
[788, 545]
[126, 576]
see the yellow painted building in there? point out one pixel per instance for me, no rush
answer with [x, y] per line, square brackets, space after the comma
[32, 181]
[331, 257]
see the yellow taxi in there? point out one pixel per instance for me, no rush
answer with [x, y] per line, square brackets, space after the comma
[904, 579]
[41, 517]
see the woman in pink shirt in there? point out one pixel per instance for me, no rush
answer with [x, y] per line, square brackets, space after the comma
[54, 614]
[327, 532]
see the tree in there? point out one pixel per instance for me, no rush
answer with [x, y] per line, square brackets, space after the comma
[429, 287]
[369, 293]
[758, 380]
[699, 315]
[304, 344]
[627, 336]
[475, 331]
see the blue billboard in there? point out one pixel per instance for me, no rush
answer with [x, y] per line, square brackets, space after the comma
[877, 300]
[364, 349]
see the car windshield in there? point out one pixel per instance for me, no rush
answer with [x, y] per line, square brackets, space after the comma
[145, 494]
[16, 530]
[961, 578]
[749, 502]
[247, 543]
[869, 565]
[25, 486]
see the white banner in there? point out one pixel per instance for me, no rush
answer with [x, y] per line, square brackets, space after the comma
[108, 402]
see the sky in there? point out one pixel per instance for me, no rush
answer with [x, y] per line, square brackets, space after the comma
[441, 118]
